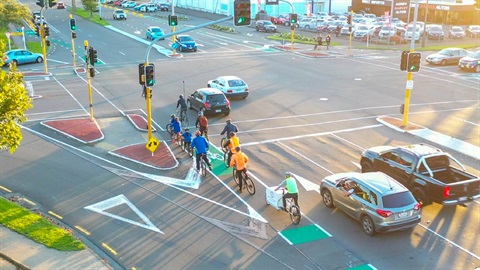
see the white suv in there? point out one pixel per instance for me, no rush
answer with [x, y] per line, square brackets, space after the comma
[119, 14]
[149, 8]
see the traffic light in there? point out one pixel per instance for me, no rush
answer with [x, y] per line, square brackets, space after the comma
[73, 24]
[172, 20]
[242, 13]
[413, 64]
[92, 56]
[37, 30]
[293, 18]
[47, 31]
[91, 72]
[47, 42]
[40, 3]
[74, 35]
[150, 75]
[141, 73]
[403, 61]
[52, 3]
[349, 19]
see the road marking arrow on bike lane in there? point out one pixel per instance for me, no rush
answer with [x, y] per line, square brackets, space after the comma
[307, 185]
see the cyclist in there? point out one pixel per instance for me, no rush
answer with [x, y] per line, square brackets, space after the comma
[232, 144]
[177, 129]
[202, 124]
[187, 138]
[240, 161]
[229, 128]
[201, 145]
[291, 187]
[183, 106]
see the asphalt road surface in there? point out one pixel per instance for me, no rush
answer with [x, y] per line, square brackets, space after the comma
[312, 116]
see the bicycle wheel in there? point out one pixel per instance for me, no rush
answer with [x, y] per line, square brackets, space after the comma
[204, 168]
[169, 128]
[190, 151]
[235, 176]
[225, 159]
[182, 143]
[249, 184]
[295, 214]
[222, 142]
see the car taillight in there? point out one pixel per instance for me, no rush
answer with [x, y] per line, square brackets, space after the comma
[207, 105]
[384, 213]
[246, 89]
[229, 91]
[446, 191]
[417, 206]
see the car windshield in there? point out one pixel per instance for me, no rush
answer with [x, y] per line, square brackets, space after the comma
[216, 99]
[119, 11]
[397, 200]
[387, 28]
[186, 38]
[267, 23]
[436, 28]
[444, 52]
[236, 83]
[156, 30]
[362, 28]
[457, 29]
[475, 55]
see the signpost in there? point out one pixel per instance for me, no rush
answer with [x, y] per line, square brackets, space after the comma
[8, 37]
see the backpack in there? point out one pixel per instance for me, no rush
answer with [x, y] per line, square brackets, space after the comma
[203, 121]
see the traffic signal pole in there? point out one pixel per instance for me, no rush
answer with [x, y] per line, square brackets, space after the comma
[73, 46]
[409, 84]
[42, 36]
[89, 81]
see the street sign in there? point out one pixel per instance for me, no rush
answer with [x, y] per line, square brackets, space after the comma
[152, 144]
[175, 46]
[410, 84]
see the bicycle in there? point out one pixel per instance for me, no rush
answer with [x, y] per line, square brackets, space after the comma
[187, 147]
[183, 118]
[247, 181]
[274, 199]
[203, 165]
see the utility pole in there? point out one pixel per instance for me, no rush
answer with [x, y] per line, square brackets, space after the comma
[424, 34]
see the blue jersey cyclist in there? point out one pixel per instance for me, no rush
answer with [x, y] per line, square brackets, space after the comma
[187, 138]
[177, 129]
[291, 187]
[201, 146]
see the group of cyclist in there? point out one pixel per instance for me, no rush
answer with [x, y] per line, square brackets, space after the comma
[232, 143]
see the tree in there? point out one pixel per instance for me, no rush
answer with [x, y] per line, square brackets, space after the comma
[14, 101]
[12, 12]
[90, 5]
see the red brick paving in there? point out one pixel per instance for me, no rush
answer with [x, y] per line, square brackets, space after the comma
[81, 129]
[139, 122]
[162, 158]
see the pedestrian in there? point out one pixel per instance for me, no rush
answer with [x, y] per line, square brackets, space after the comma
[202, 124]
[319, 42]
[337, 30]
[327, 40]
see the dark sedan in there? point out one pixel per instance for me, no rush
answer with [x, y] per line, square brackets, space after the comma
[210, 101]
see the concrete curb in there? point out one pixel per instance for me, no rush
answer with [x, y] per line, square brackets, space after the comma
[17, 264]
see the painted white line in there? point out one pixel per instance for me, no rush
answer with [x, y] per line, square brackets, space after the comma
[73, 97]
[347, 141]
[100, 208]
[463, 120]
[327, 233]
[57, 61]
[305, 157]
[307, 184]
[121, 53]
[451, 242]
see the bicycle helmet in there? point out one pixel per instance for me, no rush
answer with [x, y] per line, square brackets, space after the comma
[187, 129]
[237, 148]
[197, 133]
[173, 115]
[200, 112]
[229, 120]
[181, 96]
[288, 174]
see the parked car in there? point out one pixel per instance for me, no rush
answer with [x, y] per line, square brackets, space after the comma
[470, 62]
[264, 25]
[379, 202]
[231, 86]
[163, 7]
[322, 26]
[148, 8]
[430, 174]
[473, 31]
[447, 56]
[282, 19]
[456, 32]
[20, 56]
[332, 26]
[60, 5]
[139, 6]
[362, 31]
[119, 14]
[345, 31]
[435, 32]
[117, 3]
[154, 32]
[387, 31]
[409, 33]
[209, 100]
[129, 4]
[307, 24]
[186, 43]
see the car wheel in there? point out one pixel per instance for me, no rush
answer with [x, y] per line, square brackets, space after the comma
[180, 49]
[368, 226]
[444, 62]
[15, 62]
[420, 196]
[367, 166]
[114, 18]
[208, 85]
[307, 27]
[327, 198]
[256, 28]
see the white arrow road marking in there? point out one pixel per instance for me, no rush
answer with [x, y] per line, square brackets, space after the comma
[100, 208]
[308, 185]
[356, 164]
[221, 43]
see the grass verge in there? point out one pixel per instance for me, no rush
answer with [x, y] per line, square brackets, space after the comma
[36, 227]
[35, 46]
[88, 15]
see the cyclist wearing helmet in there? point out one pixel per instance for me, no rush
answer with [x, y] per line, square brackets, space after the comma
[183, 106]
[177, 129]
[172, 119]
[202, 124]
[231, 144]
[240, 161]
[201, 146]
[291, 187]
[229, 128]
[187, 138]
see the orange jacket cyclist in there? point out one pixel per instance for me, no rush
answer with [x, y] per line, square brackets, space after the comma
[231, 143]
[240, 160]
